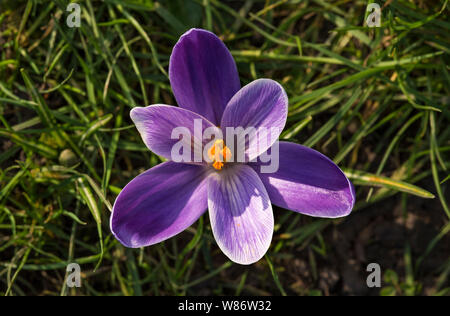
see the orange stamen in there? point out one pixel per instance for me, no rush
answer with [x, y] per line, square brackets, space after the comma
[218, 165]
[219, 153]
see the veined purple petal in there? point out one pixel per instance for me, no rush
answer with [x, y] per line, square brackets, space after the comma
[203, 74]
[156, 123]
[240, 213]
[159, 203]
[309, 183]
[261, 105]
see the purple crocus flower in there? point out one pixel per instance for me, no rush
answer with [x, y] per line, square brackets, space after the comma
[166, 199]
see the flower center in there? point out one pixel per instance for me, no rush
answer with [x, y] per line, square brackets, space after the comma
[219, 154]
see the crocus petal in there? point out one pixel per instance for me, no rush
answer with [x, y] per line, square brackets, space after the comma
[240, 213]
[156, 123]
[309, 183]
[260, 106]
[159, 203]
[203, 74]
